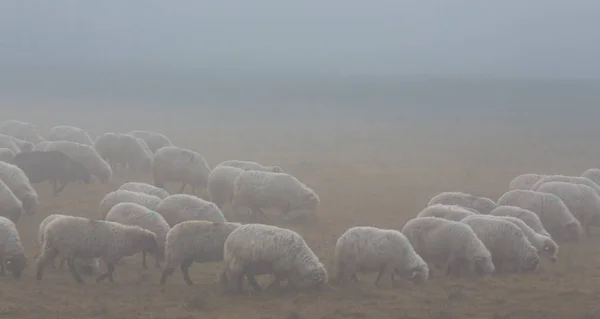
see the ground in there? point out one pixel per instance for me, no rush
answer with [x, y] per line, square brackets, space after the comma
[366, 173]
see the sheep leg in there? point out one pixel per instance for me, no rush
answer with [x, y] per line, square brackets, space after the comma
[251, 280]
[60, 188]
[42, 260]
[144, 260]
[73, 270]
[382, 270]
[157, 265]
[166, 274]
[54, 186]
[182, 188]
[108, 274]
[185, 266]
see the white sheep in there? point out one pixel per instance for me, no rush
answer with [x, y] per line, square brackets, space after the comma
[145, 188]
[528, 217]
[449, 212]
[6, 155]
[505, 241]
[175, 164]
[87, 265]
[593, 174]
[107, 146]
[137, 215]
[70, 134]
[10, 205]
[135, 153]
[257, 249]
[194, 241]
[182, 207]
[449, 245]
[12, 255]
[154, 140]
[82, 154]
[19, 184]
[122, 196]
[368, 249]
[73, 237]
[24, 146]
[581, 200]
[525, 181]
[482, 205]
[258, 190]
[21, 130]
[8, 142]
[221, 183]
[554, 215]
[567, 179]
[544, 244]
[251, 166]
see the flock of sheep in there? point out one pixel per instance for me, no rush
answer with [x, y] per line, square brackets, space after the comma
[457, 233]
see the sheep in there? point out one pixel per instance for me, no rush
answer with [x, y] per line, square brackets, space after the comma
[482, 205]
[54, 166]
[133, 214]
[221, 182]
[73, 237]
[12, 255]
[21, 130]
[70, 134]
[82, 154]
[528, 217]
[525, 181]
[145, 188]
[593, 174]
[256, 249]
[175, 164]
[544, 244]
[194, 241]
[182, 207]
[448, 245]
[6, 155]
[505, 241]
[581, 200]
[154, 140]
[251, 166]
[135, 152]
[19, 184]
[258, 190]
[556, 218]
[8, 142]
[567, 179]
[367, 249]
[123, 196]
[10, 206]
[24, 146]
[107, 146]
[449, 212]
[87, 266]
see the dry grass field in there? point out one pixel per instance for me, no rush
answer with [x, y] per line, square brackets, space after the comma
[366, 172]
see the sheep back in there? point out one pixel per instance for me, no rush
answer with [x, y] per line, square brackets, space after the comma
[182, 207]
[482, 205]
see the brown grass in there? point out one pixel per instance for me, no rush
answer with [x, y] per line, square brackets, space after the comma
[365, 174]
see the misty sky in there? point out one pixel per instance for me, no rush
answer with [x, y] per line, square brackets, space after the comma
[555, 38]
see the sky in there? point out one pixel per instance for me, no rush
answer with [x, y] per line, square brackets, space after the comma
[533, 38]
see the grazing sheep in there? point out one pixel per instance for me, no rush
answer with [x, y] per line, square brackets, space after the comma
[449, 212]
[554, 215]
[528, 217]
[87, 265]
[54, 166]
[369, 249]
[257, 249]
[581, 200]
[525, 181]
[182, 207]
[12, 255]
[75, 237]
[19, 184]
[449, 245]
[107, 146]
[154, 140]
[6, 155]
[135, 153]
[122, 196]
[482, 205]
[145, 188]
[137, 215]
[21, 130]
[567, 179]
[8, 142]
[24, 146]
[70, 134]
[221, 183]
[251, 166]
[505, 241]
[10, 205]
[82, 154]
[194, 241]
[258, 190]
[175, 164]
[544, 244]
